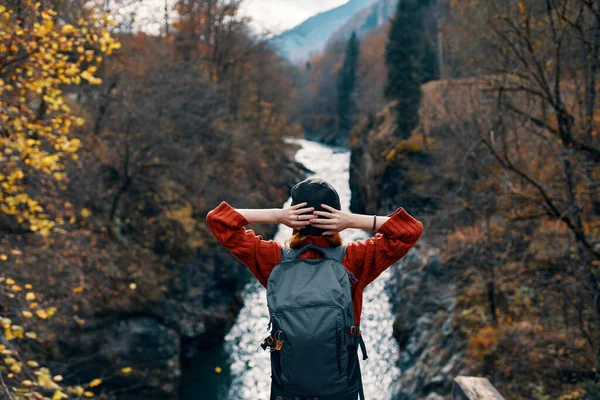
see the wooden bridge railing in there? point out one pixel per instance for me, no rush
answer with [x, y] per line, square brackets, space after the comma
[471, 388]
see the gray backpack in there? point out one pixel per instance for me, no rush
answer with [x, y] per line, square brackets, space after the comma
[313, 341]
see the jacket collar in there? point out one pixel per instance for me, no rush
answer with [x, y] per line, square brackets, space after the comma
[316, 240]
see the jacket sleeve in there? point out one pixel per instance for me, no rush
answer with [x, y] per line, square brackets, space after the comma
[368, 258]
[260, 256]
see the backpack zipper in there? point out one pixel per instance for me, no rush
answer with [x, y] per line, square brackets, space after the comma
[307, 308]
[338, 348]
[299, 309]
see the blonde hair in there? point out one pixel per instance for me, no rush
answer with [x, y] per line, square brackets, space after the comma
[297, 240]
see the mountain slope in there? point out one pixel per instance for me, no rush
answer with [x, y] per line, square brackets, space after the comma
[365, 20]
[308, 38]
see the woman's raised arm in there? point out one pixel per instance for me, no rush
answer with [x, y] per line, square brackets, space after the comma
[336, 221]
[260, 256]
[367, 259]
[290, 217]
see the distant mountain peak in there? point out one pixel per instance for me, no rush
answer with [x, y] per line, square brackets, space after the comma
[308, 38]
[366, 20]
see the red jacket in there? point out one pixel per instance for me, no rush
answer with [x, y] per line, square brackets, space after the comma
[366, 259]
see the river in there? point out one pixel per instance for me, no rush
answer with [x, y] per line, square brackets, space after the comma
[240, 370]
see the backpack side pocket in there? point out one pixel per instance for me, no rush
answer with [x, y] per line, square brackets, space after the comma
[276, 369]
[338, 348]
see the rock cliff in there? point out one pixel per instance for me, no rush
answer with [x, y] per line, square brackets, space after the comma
[430, 344]
[386, 173]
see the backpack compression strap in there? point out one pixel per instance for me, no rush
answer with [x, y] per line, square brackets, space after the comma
[354, 330]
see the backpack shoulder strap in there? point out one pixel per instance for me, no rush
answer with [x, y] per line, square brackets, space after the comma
[287, 253]
[336, 253]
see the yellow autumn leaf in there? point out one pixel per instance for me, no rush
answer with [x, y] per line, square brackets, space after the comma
[31, 335]
[523, 8]
[41, 314]
[68, 29]
[78, 289]
[8, 333]
[16, 368]
[10, 281]
[85, 212]
[3, 257]
[30, 296]
[27, 314]
[32, 364]
[58, 395]
[88, 394]
[126, 370]
[45, 380]
[17, 331]
[95, 383]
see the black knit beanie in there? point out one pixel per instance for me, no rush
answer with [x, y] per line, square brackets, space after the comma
[314, 192]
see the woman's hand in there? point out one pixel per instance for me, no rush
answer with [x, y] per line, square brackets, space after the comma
[333, 221]
[292, 218]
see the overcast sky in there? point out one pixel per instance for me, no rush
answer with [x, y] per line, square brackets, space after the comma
[273, 16]
[279, 15]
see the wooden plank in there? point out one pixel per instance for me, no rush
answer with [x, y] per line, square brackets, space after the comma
[472, 388]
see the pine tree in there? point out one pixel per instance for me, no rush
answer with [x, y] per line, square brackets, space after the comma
[346, 82]
[428, 61]
[403, 60]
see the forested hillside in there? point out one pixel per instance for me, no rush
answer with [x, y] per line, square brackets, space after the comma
[502, 166]
[114, 145]
[317, 104]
